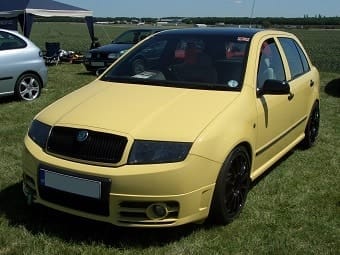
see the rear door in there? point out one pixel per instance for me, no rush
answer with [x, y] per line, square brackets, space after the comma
[300, 79]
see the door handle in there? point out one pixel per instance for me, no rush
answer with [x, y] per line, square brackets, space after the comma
[311, 83]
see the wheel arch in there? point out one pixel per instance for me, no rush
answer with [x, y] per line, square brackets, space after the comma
[217, 212]
[228, 152]
[249, 150]
[315, 103]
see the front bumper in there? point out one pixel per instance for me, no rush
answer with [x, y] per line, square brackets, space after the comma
[182, 191]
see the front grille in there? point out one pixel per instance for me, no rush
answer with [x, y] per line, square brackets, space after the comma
[99, 55]
[97, 147]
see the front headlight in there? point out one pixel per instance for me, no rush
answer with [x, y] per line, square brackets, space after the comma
[113, 55]
[116, 55]
[122, 52]
[88, 55]
[153, 152]
[39, 132]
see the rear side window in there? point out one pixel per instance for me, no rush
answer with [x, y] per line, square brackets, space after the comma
[297, 60]
[9, 41]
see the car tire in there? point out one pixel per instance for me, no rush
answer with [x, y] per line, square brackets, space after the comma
[231, 188]
[28, 87]
[312, 128]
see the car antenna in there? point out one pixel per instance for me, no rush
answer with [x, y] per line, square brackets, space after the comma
[252, 13]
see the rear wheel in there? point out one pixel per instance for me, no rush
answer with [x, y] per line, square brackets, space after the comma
[28, 87]
[312, 128]
[232, 187]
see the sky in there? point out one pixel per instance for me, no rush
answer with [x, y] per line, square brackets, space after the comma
[208, 8]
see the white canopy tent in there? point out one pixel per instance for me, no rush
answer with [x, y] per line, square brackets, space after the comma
[25, 10]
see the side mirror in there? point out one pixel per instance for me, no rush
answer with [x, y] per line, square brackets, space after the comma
[274, 87]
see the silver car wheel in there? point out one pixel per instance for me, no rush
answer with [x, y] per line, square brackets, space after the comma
[28, 87]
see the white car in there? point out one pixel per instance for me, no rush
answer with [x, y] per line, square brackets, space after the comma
[23, 72]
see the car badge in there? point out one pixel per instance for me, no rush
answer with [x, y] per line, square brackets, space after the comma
[82, 136]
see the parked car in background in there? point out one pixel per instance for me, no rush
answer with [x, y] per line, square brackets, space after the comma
[105, 55]
[23, 72]
[180, 138]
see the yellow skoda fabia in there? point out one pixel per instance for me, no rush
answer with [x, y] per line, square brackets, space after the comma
[176, 129]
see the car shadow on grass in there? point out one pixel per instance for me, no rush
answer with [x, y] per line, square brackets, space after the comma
[38, 219]
[274, 166]
[8, 99]
[87, 74]
[333, 88]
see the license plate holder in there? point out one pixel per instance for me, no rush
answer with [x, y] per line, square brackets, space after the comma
[70, 184]
[98, 64]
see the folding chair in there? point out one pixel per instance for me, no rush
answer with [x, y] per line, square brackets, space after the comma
[52, 53]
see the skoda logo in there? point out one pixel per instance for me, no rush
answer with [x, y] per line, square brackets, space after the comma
[82, 135]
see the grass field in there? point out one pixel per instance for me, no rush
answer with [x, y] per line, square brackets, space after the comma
[294, 209]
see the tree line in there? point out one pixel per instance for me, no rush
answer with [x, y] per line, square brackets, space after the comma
[264, 21]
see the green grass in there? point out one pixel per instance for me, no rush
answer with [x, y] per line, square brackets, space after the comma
[324, 46]
[294, 209]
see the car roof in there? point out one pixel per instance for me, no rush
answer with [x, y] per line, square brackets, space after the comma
[246, 32]
[144, 29]
[10, 31]
[14, 32]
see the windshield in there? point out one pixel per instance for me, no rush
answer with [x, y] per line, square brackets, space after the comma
[132, 36]
[177, 60]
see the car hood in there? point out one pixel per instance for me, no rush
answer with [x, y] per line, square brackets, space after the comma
[140, 111]
[112, 48]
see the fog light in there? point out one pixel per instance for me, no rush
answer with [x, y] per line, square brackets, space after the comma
[157, 211]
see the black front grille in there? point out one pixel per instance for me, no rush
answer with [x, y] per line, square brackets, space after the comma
[97, 147]
[99, 55]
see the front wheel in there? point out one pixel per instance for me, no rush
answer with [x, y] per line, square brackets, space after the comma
[232, 187]
[28, 87]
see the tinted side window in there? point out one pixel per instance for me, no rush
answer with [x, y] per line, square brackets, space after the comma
[305, 64]
[9, 41]
[270, 64]
[297, 61]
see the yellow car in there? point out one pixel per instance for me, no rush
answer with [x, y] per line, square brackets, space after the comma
[176, 129]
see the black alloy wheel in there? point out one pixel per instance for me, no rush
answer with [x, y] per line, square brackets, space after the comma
[312, 128]
[231, 188]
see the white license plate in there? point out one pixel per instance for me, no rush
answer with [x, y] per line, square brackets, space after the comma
[71, 184]
[97, 64]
